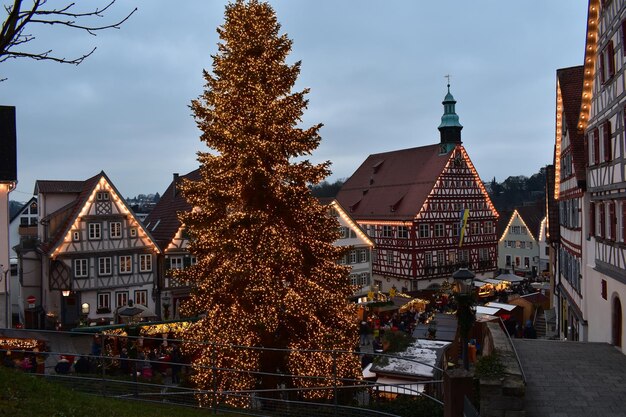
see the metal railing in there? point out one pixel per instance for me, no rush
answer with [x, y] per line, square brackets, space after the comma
[108, 373]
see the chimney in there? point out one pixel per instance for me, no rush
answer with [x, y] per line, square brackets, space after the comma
[8, 141]
[175, 182]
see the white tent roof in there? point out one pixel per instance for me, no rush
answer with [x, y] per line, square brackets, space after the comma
[510, 278]
[399, 386]
[507, 307]
[487, 310]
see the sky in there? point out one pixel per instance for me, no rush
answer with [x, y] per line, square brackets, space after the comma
[376, 72]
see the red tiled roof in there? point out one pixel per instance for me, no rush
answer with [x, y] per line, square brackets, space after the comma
[503, 221]
[532, 216]
[162, 222]
[54, 186]
[393, 185]
[571, 84]
[64, 186]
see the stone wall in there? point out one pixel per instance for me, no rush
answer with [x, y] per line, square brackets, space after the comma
[502, 396]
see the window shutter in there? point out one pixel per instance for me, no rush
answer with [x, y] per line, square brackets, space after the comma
[606, 134]
[186, 261]
[601, 66]
[624, 36]
[602, 220]
[610, 59]
[612, 219]
[623, 220]
[596, 146]
[587, 145]
[592, 219]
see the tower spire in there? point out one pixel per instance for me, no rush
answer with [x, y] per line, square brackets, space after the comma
[450, 128]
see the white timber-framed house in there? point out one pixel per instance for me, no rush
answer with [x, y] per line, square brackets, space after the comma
[519, 244]
[569, 196]
[603, 120]
[92, 255]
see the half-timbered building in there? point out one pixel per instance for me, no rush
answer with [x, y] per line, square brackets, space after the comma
[169, 233]
[92, 256]
[518, 248]
[426, 209]
[569, 192]
[603, 119]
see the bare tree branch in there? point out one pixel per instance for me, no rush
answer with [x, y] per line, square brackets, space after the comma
[17, 19]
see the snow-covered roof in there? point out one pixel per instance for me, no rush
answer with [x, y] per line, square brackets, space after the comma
[418, 360]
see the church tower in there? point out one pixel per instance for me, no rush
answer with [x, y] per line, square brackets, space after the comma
[450, 128]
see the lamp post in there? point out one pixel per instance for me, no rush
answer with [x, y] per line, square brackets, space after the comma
[466, 316]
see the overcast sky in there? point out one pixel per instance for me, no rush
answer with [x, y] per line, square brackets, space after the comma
[375, 69]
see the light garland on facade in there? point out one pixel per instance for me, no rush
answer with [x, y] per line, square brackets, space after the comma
[557, 140]
[590, 64]
[103, 186]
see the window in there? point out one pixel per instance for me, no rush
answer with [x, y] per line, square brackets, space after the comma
[488, 227]
[176, 262]
[33, 208]
[115, 230]
[428, 259]
[424, 230]
[145, 263]
[389, 257]
[104, 266]
[102, 196]
[343, 232]
[141, 297]
[403, 232]
[354, 279]
[463, 256]
[362, 255]
[121, 298]
[81, 268]
[387, 231]
[104, 301]
[75, 236]
[439, 230]
[353, 256]
[364, 279]
[483, 254]
[508, 260]
[94, 231]
[606, 63]
[592, 219]
[456, 227]
[606, 140]
[440, 258]
[526, 262]
[126, 265]
[133, 232]
[475, 227]
[612, 220]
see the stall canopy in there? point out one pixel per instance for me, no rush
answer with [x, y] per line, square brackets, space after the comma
[398, 386]
[510, 278]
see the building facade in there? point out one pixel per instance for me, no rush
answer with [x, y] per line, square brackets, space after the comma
[602, 119]
[91, 256]
[426, 209]
[518, 247]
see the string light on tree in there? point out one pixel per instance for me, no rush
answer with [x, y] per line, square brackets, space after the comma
[266, 272]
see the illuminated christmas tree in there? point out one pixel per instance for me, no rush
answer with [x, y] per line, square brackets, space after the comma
[266, 273]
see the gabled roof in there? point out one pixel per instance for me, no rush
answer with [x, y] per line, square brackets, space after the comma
[162, 222]
[24, 207]
[393, 185]
[571, 84]
[57, 187]
[349, 220]
[68, 214]
[531, 215]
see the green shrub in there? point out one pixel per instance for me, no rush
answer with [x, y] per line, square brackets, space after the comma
[489, 366]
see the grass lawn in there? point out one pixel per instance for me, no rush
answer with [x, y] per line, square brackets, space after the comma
[28, 395]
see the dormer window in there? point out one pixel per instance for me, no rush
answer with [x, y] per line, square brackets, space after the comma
[102, 196]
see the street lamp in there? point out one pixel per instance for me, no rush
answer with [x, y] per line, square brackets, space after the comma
[466, 316]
